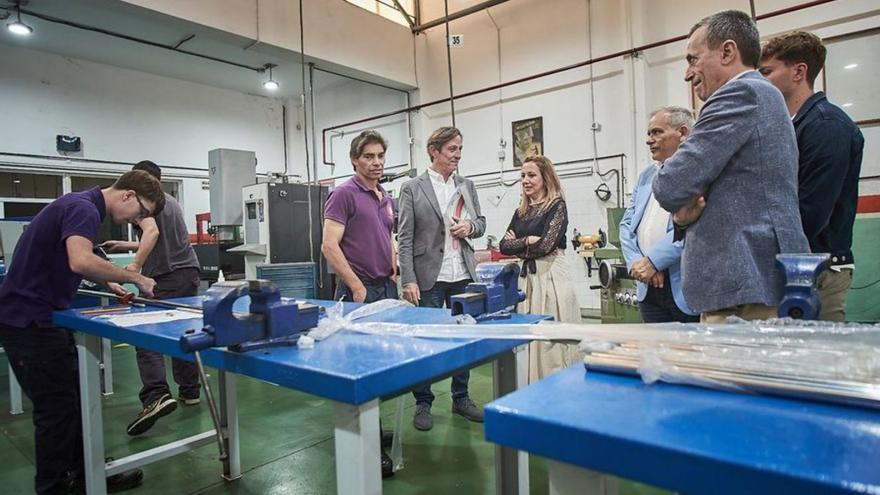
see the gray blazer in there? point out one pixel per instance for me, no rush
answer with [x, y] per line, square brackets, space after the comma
[743, 153]
[421, 232]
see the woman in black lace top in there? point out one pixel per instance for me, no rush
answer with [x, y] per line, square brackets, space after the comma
[536, 234]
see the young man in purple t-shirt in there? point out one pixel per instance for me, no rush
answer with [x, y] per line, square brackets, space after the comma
[358, 219]
[53, 255]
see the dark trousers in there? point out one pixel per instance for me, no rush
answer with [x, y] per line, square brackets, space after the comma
[383, 288]
[151, 365]
[659, 306]
[44, 362]
[437, 297]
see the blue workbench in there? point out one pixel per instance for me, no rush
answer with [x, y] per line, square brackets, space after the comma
[354, 370]
[692, 440]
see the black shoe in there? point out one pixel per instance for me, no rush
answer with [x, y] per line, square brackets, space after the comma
[387, 466]
[163, 406]
[387, 438]
[125, 481]
[466, 407]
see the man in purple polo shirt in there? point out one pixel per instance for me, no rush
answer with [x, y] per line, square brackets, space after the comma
[53, 255]
[358, 218]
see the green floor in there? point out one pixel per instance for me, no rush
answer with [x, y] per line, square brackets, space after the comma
[286, 443]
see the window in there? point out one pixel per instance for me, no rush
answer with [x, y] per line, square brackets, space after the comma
[387, 9]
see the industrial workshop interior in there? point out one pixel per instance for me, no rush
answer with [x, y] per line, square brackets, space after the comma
[439, 247]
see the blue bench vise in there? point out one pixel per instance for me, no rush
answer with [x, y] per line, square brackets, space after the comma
[494, 295]
[800, 299]
[270, 322]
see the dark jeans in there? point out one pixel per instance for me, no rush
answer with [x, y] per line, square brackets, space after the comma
[45, 364]
[151, 365]
[437, 297]
[659, 306]
[378, 289]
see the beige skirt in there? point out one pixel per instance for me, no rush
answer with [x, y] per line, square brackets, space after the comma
[549, 291]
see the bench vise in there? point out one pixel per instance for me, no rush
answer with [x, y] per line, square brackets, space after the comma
[493, 295]
[270, 322]
[800, 299]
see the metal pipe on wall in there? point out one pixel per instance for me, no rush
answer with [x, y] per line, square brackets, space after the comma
[631, 51]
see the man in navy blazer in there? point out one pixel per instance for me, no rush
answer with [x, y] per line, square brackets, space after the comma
[733, 183]
[646, 234]
[830, 149]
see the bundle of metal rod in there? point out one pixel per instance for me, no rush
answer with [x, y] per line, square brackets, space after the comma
[840, 364]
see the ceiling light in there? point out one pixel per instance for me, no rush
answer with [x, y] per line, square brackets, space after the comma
[271, 84]
[845, 105]
[18, 27]
[850, 66]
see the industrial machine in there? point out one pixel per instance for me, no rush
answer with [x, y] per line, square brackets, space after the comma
[619, 303]
[276, 230]
[494, 295]
[228, 171]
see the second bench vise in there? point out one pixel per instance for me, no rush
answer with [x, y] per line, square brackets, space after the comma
[269, 322]
[494, 295]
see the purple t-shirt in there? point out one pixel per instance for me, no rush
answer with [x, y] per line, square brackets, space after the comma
[366, 242]
[39, 280]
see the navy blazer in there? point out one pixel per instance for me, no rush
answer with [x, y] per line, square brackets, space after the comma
[742, 154]
[830, 146]
[664, 255]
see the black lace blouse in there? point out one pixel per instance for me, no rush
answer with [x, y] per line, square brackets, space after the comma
[549, 222]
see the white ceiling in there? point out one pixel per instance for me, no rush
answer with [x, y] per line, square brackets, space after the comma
[129, 20]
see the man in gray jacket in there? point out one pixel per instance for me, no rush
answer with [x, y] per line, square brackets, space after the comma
[733, 183]
[439, 213]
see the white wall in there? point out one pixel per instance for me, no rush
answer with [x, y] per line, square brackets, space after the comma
[124, 115]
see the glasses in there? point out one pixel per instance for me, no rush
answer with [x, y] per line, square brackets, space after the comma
[144, 211]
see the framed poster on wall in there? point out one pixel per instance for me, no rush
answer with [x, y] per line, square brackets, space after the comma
[528, 139]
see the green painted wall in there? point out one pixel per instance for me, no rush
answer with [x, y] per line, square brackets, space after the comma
[863, 302]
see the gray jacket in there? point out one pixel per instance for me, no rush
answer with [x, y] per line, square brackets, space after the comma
[421, 232]
[743, 153]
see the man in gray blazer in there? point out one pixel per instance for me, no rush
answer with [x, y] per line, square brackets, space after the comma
[439, 213]
[733, 183]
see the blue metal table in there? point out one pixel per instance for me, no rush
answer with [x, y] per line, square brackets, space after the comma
[689, 439]
[353, 370]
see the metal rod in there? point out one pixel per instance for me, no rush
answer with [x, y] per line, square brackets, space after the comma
[221, 441]
[449, 64]
[142, 300]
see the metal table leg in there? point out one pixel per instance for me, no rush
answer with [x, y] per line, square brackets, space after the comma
[15, 405]
[356, 436]
[107, 366]
[229, 423]
[566, 479]
[88, 350]
[510, 372]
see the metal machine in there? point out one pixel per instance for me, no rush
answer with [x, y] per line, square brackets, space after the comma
[228, 171]
[276, 228]
[800, 298]
[494, 295]
[619, 303]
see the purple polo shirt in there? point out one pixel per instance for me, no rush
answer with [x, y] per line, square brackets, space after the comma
[39, 280]
[366, 242]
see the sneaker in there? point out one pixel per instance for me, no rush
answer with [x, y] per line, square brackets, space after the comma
[466, 407]
[387, 465]
[422, 419]
[189, 402]
[127, 480]
[163, 406]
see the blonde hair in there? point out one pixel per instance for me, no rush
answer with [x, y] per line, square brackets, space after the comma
[552, 187]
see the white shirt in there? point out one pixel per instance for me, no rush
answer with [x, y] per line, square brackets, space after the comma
[652, 227]
[452, 269]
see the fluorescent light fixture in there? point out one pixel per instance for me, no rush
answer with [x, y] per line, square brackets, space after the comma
[271, 84]
[850, 66]
[846, 105]
[18, 27]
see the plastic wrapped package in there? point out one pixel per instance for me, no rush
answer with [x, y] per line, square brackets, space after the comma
[824, 361]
